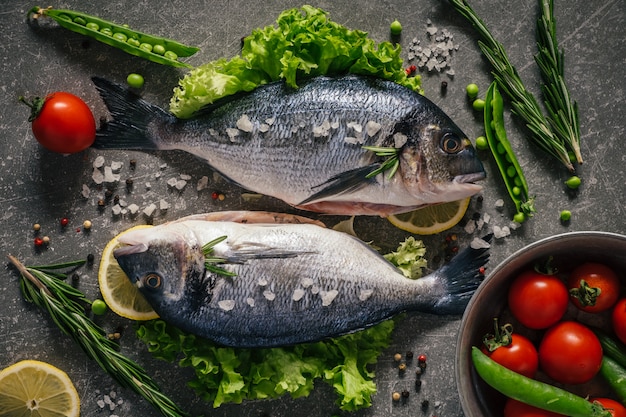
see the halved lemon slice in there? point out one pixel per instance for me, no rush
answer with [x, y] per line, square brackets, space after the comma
[34, 388]
[431, 219]
[118, 292]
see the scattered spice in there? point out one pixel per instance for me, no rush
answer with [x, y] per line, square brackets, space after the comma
[395, 396]
[397, 357]
[38, 241]
[36, 227]
[87, 224]
[65, 221]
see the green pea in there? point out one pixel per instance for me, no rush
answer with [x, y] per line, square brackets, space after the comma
[98, 307]
[565, 215]
[120, 36]
[481, 143]
[135, 80]
[573, 182]
[516, 190]
[478, 104]
[106, 31]
[65, 17]
[170, 55]
[92, 26]
[133, 42]
[158, 49]
[395, 27]
[519, 217]
[517, 181]
[472, 90]
[500, 148]
[79, 20]
[146, 47]
[511, 171]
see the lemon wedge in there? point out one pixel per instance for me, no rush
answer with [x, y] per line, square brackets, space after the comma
[34, 388]
[431, 219]
[122, 297]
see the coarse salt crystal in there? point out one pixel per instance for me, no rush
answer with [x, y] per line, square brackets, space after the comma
[250, 301]
[172, 182]
[85, 192]
[399, 139]
[269, 295]
[163, 205]
[149, 211]
[232, 133]
[226, 305]
[245, 124]
[297, 294]
[180, 184]
[116, 166]
[479, 243]
[262, 282]
[116, 209]
[328, 297]
[372, 128]
[185, 177]
[98, 162]
[203, 183]
[499, 203]
[364, 295]
[470, 227]
[307, 282]
[133, 208]
[97, 176]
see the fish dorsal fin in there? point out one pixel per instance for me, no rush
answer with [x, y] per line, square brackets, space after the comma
[252, 217]
[345, 182]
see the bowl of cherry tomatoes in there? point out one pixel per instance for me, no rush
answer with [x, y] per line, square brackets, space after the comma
[545, 333]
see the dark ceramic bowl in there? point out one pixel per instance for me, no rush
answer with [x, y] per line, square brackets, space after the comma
[489, 301]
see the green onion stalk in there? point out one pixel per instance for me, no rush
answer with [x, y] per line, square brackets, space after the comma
[45, 287]
[523, 103]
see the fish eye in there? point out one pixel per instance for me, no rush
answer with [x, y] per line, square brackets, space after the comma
[451, 143]
[152, 281]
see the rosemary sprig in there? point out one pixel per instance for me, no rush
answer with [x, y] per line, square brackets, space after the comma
[62, 301]
[390, 164]
[563, 113]
[523, 103]
[211, 262]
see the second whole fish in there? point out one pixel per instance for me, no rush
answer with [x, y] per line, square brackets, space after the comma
[272, 283]
[306, 146]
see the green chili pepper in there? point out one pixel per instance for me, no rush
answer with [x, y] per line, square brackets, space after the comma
[510, 169]
[119, 36]
[533, 392]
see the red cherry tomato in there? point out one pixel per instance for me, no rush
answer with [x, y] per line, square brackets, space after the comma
[570, 353]
[63, 123]
[619, 319]
[538, 300]
[616, 409]
[519, 356]
[593, 287]
[514, 408]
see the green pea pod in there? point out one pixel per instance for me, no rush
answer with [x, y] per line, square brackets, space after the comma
[615, 375]
[509, 167]
[119, 36]
[612, 348]
[533, 392]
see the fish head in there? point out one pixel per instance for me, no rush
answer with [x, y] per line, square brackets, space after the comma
[164, 262]
[439, 164]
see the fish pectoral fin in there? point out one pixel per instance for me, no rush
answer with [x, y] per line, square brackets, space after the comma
[248, 251]
[347, 181]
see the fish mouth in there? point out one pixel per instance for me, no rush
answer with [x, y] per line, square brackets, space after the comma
[470, 178]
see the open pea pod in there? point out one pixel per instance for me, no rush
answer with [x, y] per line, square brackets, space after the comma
[505, 158]
[160, 50]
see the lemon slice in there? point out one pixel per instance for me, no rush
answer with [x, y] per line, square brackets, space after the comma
[431, 219]
[118, 292]
[34, 388]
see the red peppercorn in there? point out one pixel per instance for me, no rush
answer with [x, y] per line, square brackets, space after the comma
[215, 195]
[481, 270]
[65, 221]
[38, 241]
[421, 359]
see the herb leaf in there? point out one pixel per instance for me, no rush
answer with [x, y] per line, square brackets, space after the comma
[210, 261]
[390, 164]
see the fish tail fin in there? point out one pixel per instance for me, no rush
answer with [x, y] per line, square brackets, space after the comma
[461, 277]
[132, 118]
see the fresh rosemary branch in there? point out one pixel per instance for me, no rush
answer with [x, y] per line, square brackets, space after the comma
[563, 113]
[210, 261]
[61, 300]
[390, 164]
[523, 103]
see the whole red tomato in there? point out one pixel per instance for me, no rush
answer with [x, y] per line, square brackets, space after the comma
[514, 408]
[593, 287]
[570, 353]
[519, 355]
[63, 123]
[616, 408]
[538, 300]
[619, 319]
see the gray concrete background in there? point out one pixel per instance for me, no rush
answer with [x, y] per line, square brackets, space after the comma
[39, 187]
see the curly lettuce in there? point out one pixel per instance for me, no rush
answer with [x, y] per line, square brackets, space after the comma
[302, 43]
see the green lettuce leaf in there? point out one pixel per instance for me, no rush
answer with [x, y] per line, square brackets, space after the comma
[409, 257]
[302, 43]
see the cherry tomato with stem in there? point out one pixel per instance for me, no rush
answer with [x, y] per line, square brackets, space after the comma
[593, 287]
[615, 408]
[537, 299]
[62, 122]
[514, 408]
[619, 320]
[570, 353]
[511, 350]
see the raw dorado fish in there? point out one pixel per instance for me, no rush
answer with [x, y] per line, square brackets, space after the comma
[280, 283]
[305, 146]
